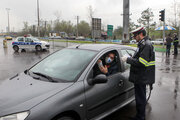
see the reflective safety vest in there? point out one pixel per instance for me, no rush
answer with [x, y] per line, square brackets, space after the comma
[142, 69]
[176, 41]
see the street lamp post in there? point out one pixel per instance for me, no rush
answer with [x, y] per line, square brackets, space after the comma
[8, 9]
[125, 36]
[38, 18]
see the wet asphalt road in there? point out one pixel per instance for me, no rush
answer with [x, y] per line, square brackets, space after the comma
[164, 103]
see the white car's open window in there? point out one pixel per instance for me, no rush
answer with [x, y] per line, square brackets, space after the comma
[20, 39]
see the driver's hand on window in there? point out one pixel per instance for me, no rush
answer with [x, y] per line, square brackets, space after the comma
[99, 61]
[102, 68]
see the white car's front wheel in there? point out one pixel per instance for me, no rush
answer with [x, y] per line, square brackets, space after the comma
[16, 48]
[38, 48]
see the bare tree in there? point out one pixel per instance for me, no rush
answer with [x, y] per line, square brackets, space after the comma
[58, 15]
[26, 26]
[90, 13]
[174, 11]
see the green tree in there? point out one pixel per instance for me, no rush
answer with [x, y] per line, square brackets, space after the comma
[146, 19]
[84, 28]
[118, 32]
[64, 26]
[57, 26]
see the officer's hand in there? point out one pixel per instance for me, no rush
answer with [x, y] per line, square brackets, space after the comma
[124, 58]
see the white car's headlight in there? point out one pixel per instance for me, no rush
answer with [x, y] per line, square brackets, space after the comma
[17, 116]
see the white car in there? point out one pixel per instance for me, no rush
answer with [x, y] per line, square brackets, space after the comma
[55, 37]
[80, 38]
[157, 42]
[133, 42]
[29, 43]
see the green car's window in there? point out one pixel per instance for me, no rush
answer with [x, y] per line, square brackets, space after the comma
[65, 64]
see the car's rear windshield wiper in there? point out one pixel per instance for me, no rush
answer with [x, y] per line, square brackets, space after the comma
[45, 76]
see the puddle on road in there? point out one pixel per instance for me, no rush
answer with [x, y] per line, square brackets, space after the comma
[168, 64]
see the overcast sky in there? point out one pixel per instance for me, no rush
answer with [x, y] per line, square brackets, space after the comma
[109, 10]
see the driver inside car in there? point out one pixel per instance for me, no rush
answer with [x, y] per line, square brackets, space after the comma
[110, 64]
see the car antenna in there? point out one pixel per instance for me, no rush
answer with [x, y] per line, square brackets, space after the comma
[77, 46]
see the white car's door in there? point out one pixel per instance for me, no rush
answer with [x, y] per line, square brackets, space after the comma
[29, 43]
[20, 41]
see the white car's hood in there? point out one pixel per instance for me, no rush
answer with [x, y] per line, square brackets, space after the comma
[44, 42]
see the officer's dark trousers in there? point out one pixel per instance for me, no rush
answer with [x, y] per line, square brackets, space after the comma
[168, 48]
[175, 49]
[140, 97]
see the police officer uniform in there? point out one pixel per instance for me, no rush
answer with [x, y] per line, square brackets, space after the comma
[175, 43]
[142, 72]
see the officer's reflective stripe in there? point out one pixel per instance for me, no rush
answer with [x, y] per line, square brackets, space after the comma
[146, 63]
[176, 41]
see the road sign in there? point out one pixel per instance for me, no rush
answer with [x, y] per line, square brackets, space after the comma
[110, 27]
[110, 30]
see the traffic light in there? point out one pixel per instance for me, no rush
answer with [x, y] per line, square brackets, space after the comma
[162, 15]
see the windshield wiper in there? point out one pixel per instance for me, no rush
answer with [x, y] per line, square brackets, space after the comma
[45, 76]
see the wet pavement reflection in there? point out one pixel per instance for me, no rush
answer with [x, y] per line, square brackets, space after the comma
[164, 103]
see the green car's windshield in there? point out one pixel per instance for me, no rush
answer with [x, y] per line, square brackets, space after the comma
[65, 64]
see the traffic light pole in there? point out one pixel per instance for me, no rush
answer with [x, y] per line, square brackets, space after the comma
[38, 28]
[163, 33]
[164, 29]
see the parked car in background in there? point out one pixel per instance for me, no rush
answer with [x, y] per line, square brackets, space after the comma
[72, 37]
[133, 42]
[80, 38]
[8, 38]
[55, 37]
[157, 42]
[29, 43]
[67, 85]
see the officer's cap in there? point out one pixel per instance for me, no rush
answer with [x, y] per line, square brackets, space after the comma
[138, 30]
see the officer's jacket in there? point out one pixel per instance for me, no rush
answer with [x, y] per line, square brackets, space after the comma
[176, 41]
[142, 69]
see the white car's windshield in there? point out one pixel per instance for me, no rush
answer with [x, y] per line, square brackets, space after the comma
[36, 40]
[65, 64]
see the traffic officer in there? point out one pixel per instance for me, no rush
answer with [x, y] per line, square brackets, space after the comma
[142, 71]
[175, 43]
